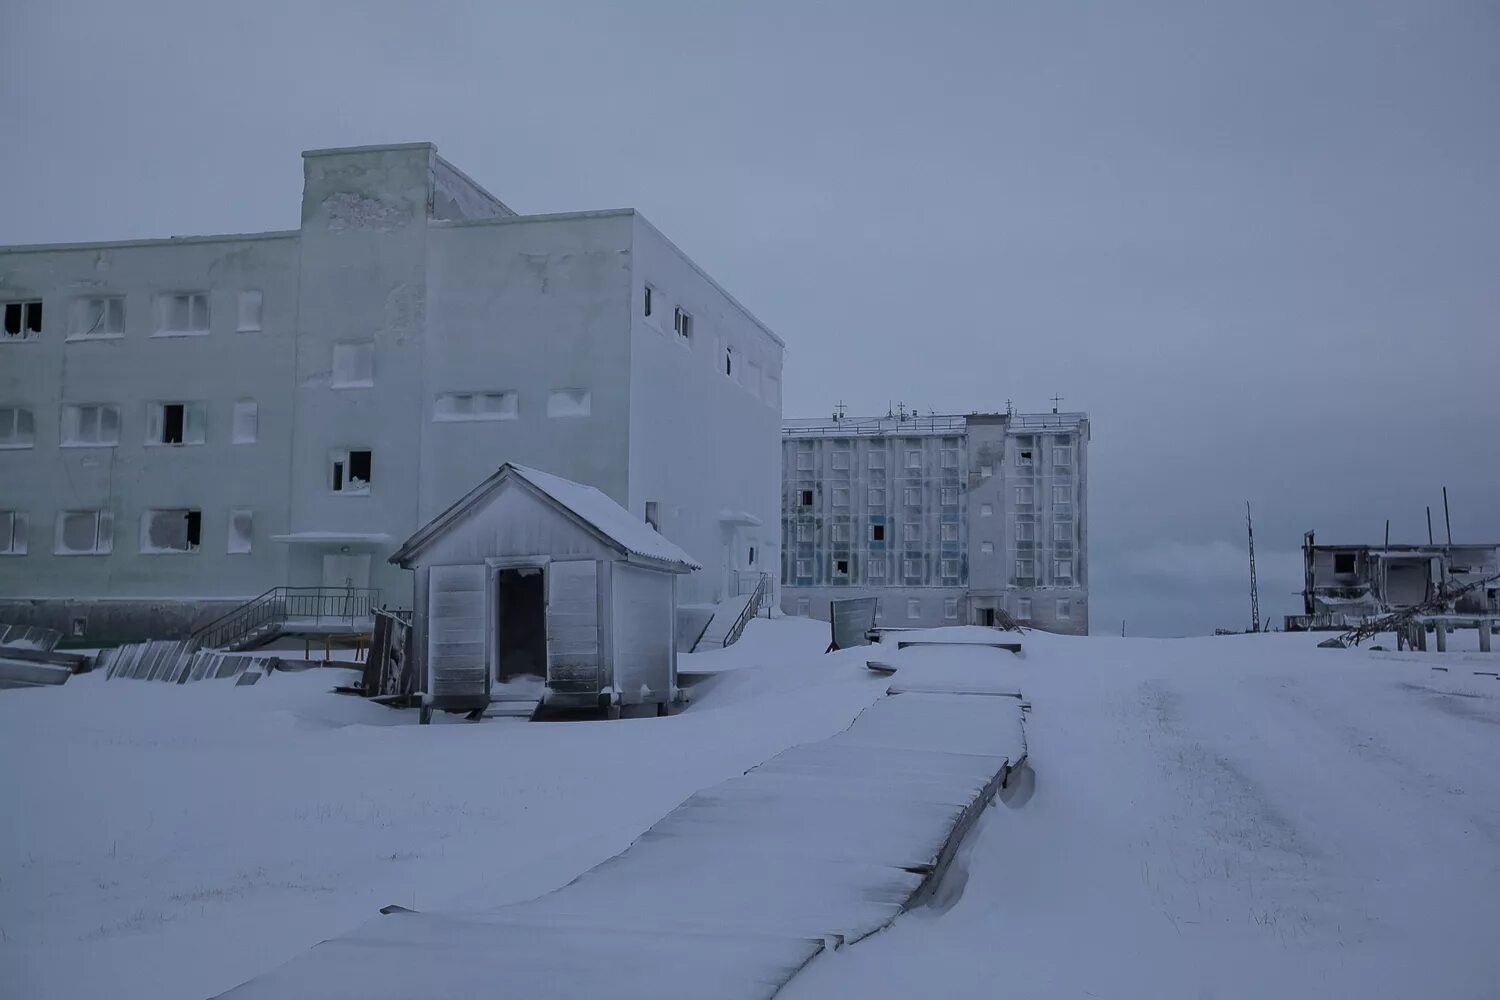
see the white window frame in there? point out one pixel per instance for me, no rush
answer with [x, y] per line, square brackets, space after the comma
[911, 532]
[875, 458]
[104, 533]
[871, 533]
[806, 461]
[341, 456]
[682, 324]
[75, 416]
[804, 532]
[1062, 531]
[97, 317]
[914, 458]
[875, 568]
[14, 530]
[841, 496]
[1062, 570]
[1023, 609]
[237, 545]
[804, 569]
[570, 403]
[24, 332]
[196, 302]
[1025, 496]
[950, 458]
[876, 497]
[147, 548]
[358, 371]
[913, 608]
[194, 423]
[1062, 456]
[1064, 610]
[841, 458]
[841, 531]
[649, 297]
[911, 569]
[911, 496]
[1025, 531]
[833, 568]
[244, 422]
[987, 548]
[1026, 456]
[1062, 497]
[986, 471]
[804, 607]
[948, 531]
[950, 609]
[13, 418]
[948, 569]
[948, 496]
[1026, 569]
[251, 315]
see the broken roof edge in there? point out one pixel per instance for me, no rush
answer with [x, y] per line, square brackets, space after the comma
[667, 554]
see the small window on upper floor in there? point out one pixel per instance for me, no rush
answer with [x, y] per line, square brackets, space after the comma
[1062, 455]
[246, 423]
[477, 406]
[90, 425]
[804, 532]
[241, 531]
[729, 361]
[841, 532]
[875, 458]
[949, 531]
[877, 532]
[181, 314]
[648, 309]
[876, 497]
[1062, 497]
[914, 459]
[17, 427]
[911, 531]
[353, 365]
[986, 510]
[911, 569]
[948, 496]
[840, 496]
[1023, 456]
[1025, 531]
[875, 568]
[1062, 570]
[911, 496]
[1023, 609]
[84, 533]
[23, 320]
[251, 301]
[804, 569]
[1062, 531]
[807, 498]
[805, 461]
[97, 317]
[1343, 562]
[1025, 569]
[986, 471]
[13, 532]
[988, 548]
[175, 423]
[949, 569]
[653, 515]
[950, 458]
[569, 403]
[841, 567]
[352, 471]
[1025, 496]
[841, 458]
[171, 530]
[682, 322]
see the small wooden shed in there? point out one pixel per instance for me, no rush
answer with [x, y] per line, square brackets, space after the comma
[537, 589]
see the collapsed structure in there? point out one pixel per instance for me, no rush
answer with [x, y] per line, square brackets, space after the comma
[1344, 585]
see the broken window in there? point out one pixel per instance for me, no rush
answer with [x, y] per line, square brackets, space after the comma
[175, 423]
[653, 516]
[948, 496]
[1025, 569]
[1343, 562]
[807, 498]
[351, 471]
[98, 316]
[90, 425]
[1062, 455]
[12, 533]
[569, 403]
[1025, 531]
[1023, 609]
[913, 608]
[241, 528]
[84, 532]
[840, 496]
[1064, 610]
[876, 497]
[23, 320]
[246, 422]
[1062, 570]
[251, 301]
[804, 569]
[1025, 496]
[949, 568]
[682, 322]
[179, 313]
[877, 532]
[353, 365]
[171, 530]
[875, 569]
[950, 608]
[17, 427]
[950, 532]
[841, 567]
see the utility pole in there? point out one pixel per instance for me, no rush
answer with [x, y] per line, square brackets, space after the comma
[1446, 522]
[1254, 589]
[1429, 524]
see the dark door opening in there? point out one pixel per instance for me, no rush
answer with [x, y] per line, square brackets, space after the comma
[986, 616]
[521, 646]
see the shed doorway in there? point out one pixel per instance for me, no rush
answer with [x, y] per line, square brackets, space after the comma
[521, 633]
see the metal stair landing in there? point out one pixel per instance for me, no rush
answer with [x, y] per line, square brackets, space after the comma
[292, 611]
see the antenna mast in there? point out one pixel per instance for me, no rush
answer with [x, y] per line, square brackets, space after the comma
[1254, 590]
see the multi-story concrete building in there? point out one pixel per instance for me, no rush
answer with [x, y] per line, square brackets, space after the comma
[945, 519]
[187, 422]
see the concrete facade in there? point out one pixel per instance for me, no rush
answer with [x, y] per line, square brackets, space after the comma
[943, 518]
[412, 316]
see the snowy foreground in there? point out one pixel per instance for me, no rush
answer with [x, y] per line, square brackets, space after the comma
[1239, 816]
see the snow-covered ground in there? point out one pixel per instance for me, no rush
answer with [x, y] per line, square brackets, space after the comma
[1237, 816]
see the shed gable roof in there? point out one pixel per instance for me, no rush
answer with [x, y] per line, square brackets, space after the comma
[592, 509]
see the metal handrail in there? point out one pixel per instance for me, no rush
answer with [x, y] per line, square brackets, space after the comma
[751, 608]
[277, 605]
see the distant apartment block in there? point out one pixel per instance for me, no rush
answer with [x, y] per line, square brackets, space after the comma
[945, 519]
[188, 422]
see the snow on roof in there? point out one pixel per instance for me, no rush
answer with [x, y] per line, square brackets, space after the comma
[313, 537]
[607, 519]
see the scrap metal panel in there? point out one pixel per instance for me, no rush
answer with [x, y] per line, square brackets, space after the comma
[456, 620]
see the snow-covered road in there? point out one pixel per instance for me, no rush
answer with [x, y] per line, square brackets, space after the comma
[1224, 817]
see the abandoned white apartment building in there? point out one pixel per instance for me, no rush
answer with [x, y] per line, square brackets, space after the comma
[945, 519]
[186, 423]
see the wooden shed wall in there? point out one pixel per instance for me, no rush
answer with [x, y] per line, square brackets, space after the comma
[643, 632]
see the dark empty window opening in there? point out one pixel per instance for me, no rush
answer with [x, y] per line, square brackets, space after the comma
[23, 318]
[653, 514]
[841, 567]
[752, 555]
[171, 423]
[728, 362]
[338, 476]
[194, 528]
[1025, 456]
[1343, 562]
[648, 300]
[359, 466]
[877, 532]
[807, 498]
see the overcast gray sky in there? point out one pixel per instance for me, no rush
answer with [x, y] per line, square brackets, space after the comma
[1258, 242]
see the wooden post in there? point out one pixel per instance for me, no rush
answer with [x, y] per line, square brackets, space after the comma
[1485, 625]
[1421, 632]
[1442, 636]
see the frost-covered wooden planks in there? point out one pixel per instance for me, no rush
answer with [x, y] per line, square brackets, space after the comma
[729, 894]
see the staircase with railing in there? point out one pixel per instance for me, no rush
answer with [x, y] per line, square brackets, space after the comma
[734, 613]
[291, 611]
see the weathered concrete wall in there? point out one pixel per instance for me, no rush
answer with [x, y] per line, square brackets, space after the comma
[114, 620]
